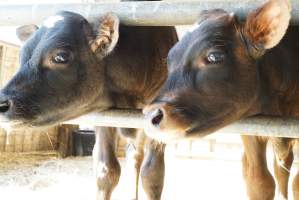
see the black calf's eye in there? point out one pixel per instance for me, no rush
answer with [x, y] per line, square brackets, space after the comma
[62, 57]
[215, 57]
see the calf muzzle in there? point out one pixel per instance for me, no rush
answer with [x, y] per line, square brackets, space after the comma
[154, 114]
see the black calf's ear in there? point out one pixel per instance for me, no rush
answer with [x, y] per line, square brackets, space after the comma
[106, 35]
[24, 32]
[266, 26]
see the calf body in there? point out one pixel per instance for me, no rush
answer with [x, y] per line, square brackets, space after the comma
[224, 70]
[70, 67]
[135, 71]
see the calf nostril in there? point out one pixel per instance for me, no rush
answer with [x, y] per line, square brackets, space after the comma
[4, 106]
[157, 117]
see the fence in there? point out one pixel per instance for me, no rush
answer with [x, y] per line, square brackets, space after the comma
[155, 14]
[158, 13]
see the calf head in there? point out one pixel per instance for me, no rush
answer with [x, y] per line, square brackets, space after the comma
[213, 75]
[61, 74]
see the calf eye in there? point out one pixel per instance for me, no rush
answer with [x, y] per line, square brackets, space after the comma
[62, 57]
[215, 57]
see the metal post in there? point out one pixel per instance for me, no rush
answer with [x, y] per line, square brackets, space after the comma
[140, 13]
[112, 118]
[259, 126]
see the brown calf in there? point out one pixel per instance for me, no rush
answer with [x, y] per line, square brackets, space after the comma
[226, 69]
[71, 66]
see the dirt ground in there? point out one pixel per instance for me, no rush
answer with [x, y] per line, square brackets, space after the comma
[44, 176]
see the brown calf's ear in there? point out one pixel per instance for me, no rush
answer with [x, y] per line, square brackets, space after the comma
[24, 32]
[266, 26]
[106, 35]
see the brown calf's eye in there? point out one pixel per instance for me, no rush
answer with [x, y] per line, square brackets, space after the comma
[62, 57]
[215, 57]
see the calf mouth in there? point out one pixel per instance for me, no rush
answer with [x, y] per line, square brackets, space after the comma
[12, 121]
[22, 116]
[21, 124]
[195, 129]
[169, 136]
[163, 136]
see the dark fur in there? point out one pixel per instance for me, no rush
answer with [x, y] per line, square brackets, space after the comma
[43, 93]
[240, 86]
[251, 80]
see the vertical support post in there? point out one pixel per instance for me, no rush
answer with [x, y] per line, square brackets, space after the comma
[65, 139]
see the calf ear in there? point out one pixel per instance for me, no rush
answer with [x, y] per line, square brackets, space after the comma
[106, 35]
[24, 32]
[266, 26]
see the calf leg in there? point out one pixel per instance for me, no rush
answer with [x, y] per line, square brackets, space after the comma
[152, 170]
[134, 157]
[105, 163]
[283, 161]
[259, 182]
[295, 186]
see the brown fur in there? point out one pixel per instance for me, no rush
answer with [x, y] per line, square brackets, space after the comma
[254, 70]
[73, 67]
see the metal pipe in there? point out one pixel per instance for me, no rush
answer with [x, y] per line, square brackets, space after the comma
[112, 118]
[132, 13]
[264, 126]
[259, 126]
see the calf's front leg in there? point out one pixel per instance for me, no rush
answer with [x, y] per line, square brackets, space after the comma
[295, 185]
[283, 151]
[134, 157]
[259, 182]
[105, 164]
[153, 170]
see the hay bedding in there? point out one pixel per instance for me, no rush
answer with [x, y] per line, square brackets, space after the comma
[32, 176]
[36, 176]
